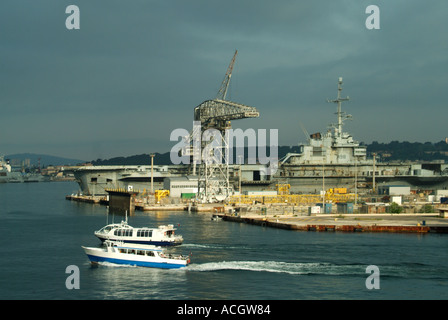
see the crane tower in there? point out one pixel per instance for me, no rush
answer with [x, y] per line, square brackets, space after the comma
[213, 182]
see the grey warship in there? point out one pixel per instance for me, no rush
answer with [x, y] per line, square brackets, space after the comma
[333, 159]
[7, 175]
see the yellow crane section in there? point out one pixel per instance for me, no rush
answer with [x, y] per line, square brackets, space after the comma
[160, 194]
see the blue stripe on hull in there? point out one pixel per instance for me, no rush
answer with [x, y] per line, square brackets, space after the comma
[136, 263]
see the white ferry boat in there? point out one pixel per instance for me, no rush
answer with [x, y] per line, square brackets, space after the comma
[161, 236]
[135, 255]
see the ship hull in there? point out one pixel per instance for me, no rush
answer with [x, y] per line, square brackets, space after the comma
[95, 180]
[302, 178]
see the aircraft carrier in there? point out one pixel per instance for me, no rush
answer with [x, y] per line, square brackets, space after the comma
[328, 160]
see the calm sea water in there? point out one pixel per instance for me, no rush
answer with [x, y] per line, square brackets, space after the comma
[42, 234]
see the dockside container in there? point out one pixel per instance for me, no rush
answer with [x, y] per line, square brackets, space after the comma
[345, 207]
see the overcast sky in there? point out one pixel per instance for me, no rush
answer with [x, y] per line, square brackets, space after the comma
[136, 69]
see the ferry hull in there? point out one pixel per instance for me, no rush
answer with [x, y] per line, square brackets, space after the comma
[97, 255]
[163, 265]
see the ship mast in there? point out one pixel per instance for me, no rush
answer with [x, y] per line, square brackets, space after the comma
[340, 114]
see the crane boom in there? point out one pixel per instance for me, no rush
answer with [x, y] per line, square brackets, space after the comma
[222, 93]
[217, 113]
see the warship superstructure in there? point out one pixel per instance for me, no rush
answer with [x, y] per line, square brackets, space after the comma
[7, 175]
[334, 159]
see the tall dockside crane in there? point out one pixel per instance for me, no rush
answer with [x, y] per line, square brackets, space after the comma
[213, 180]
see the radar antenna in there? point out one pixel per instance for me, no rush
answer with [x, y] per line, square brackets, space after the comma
[341, 115]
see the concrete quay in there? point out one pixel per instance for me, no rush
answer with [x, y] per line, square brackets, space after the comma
[87, 199]
[149, 207]
[398, 223]
[164, 207]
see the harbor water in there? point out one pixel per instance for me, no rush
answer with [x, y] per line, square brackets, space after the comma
[42, 234]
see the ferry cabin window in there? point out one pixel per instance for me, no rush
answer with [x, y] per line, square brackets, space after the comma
[106, 229]
[123, 232]
[144, 233]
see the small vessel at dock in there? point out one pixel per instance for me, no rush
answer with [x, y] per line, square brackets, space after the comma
[161, 236]
[118, 252]
[216, 217]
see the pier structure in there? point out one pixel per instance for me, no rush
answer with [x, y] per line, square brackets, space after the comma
[121, 201]
[411, 223]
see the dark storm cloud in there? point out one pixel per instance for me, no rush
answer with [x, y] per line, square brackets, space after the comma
[136, 69]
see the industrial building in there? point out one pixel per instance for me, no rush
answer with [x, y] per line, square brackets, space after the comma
[394, 190]
[179, 186]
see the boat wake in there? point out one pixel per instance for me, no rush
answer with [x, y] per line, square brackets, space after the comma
[211, 246]
[280, 267]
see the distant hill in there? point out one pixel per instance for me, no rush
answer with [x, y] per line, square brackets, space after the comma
[412, 151]
[45, 159]
[141, 159]
[392, 151]
[164, 158]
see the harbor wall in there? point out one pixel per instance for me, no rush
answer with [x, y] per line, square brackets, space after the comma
[341, 227]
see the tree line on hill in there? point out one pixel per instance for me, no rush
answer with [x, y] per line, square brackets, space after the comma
[412, 151]
[392, 151]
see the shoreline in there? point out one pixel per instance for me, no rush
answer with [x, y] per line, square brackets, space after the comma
[283, 217]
